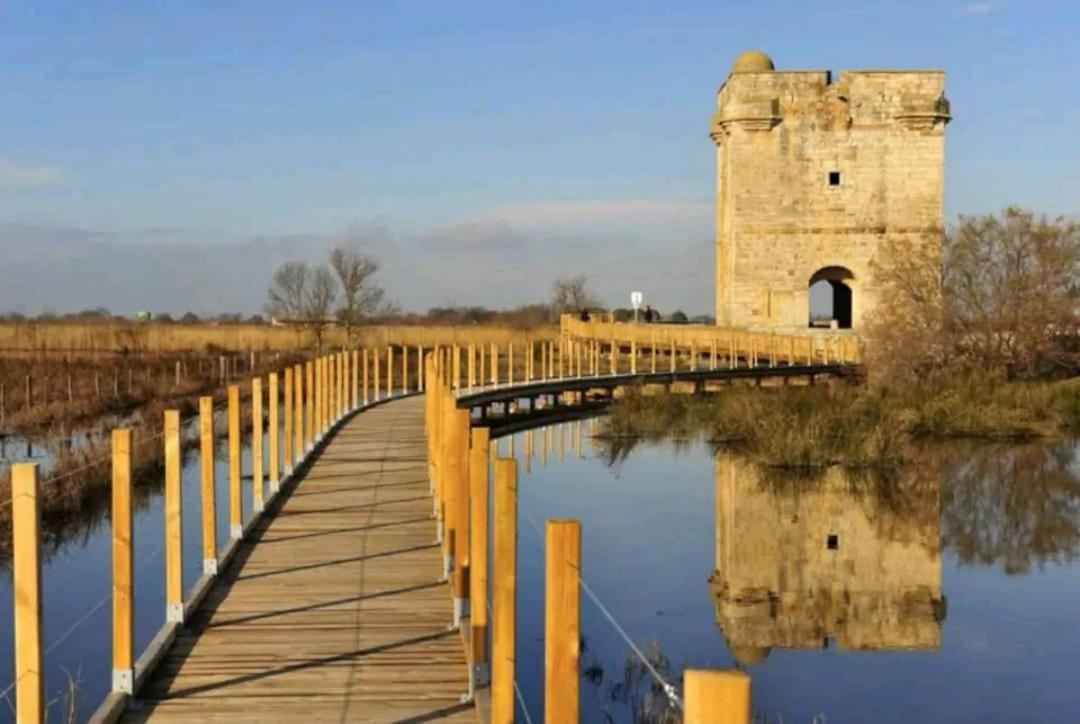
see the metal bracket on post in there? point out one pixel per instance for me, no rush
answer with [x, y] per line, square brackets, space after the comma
[461, 607]
[174, 613]
[480, 675]
[236, 530]
[448, 565]
[210, 566]
[123, 681]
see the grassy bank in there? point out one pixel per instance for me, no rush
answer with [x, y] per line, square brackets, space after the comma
[813, 428]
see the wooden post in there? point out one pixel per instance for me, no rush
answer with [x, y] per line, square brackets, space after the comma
[364, 377]
[308, 406]
[494, 364]
[716, 697]
[503, 615]
[355, 379]
[478, 553]
[287, 401]
[375, 355]
[404, 369]
[298, 431]
[123, 667]
[26, 587]
[510, 363]
[562, 621]
[272, 423]
[633, 356]
[236, 522]
[206, 484]
[674, 354]
[174, 565]
[471, 356]
[389, 371]
[256, 445]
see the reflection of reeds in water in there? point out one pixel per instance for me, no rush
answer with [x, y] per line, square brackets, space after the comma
[633, 692]
[75, 496]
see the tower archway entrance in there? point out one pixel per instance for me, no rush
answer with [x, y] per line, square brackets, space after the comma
[831, 297]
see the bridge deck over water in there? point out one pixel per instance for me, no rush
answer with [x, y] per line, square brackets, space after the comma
[334, 608]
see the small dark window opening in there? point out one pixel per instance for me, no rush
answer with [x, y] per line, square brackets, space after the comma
[832, 542]
[834, 178]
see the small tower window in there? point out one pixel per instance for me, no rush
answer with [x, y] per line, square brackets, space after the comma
[832, 542]
[834, 178]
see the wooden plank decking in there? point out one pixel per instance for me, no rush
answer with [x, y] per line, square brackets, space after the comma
[334, 610]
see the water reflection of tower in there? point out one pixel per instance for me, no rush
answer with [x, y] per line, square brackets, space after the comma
[803, 562]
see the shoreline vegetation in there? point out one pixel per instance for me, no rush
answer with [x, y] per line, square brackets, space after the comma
[812, 428]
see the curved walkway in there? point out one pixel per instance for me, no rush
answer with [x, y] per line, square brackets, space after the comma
[334, 609]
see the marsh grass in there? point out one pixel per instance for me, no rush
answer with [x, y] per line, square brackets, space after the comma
[811, 428]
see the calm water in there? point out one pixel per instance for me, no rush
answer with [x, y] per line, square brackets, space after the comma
[947, 594]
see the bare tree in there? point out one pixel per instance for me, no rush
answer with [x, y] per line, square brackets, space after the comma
[287, 293]
[999, 296]
[361, 296]
[571, 294]
[319, 302]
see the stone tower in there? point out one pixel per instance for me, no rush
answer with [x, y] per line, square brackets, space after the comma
[814, 176]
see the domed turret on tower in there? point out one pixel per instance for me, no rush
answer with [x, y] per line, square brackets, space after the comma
[752, 61]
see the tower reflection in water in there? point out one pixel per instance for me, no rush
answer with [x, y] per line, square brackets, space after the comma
[808, 563]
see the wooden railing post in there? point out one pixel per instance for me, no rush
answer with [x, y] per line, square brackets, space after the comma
[123, 667]
[478, 553]
[716, 697]
[309, 407]
[257, 445]
[206, 484]
[174, 564]
[375, 371]
[26, 587]
[355, 379]
[504, 594]
[510, 363]
[298, 415]
[287, 406]
[562, 621]
[389, 370]
[236, 513]
[272, 423]
[494, 364]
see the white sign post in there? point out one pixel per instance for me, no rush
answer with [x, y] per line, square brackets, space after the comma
[635, 302]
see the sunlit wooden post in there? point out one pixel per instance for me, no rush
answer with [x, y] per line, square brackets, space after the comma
[712, 358]
[375, 373]
[614, 356]
[503, 615]
[364, 377]
[355, 378]
[123, 668]
[494, 364]
[287, 402]
[510, 363]
[236, 521]
[404, 369]
[272, 423]
[389, 371]
[470, 366]
[256, 444]
[716, 697]
[633, 356]
[731, 350]
[298, 414]
[693, 355]
[309, 408]
[174, 564]
[206, 484]
[562, 621]
[478, 552]
[26, 589]
[652, 345]
[456, 493]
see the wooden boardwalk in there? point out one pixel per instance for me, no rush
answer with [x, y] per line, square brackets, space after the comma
[334, 609]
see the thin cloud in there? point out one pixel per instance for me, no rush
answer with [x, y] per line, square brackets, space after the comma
[547, 214]
[984, 7]
[15, 176]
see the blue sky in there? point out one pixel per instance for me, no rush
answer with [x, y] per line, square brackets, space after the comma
[478, 148]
